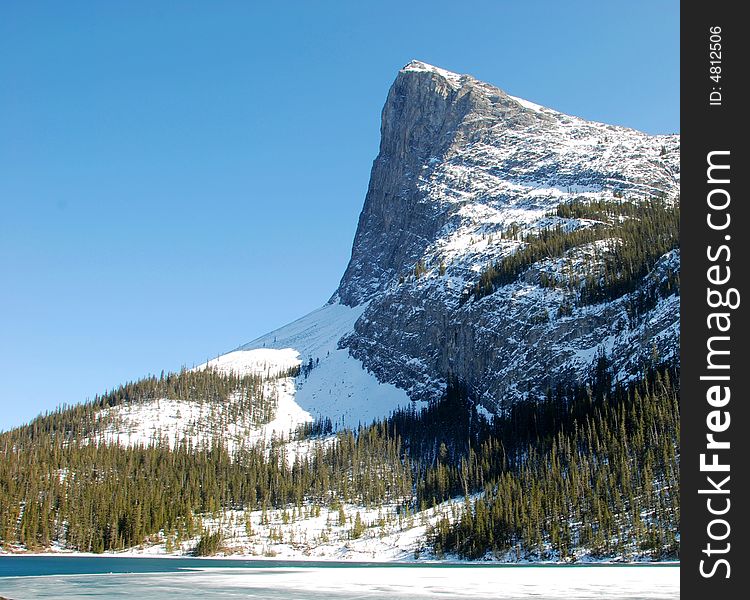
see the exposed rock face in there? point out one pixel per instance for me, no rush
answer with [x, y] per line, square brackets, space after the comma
[461, 164]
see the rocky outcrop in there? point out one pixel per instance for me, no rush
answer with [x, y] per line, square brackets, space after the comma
[463, 173]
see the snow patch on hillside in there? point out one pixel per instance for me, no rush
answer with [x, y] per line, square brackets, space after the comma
[313, 531]
[267, 362]
[201, 424]
[333, 384]
[530, 105]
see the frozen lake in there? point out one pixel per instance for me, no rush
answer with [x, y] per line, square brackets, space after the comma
[23, 578]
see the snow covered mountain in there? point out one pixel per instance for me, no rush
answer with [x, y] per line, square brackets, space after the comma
[466, 176]
[460, 164]
[505, 252]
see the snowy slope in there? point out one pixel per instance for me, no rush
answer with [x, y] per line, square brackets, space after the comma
[173, 421]
[337, 386]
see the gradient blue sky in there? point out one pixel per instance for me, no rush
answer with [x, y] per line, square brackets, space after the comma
[177, 178]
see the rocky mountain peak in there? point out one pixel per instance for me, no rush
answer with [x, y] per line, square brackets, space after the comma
[449, 140]
[417, 66]
[465, 176]
[420, 120]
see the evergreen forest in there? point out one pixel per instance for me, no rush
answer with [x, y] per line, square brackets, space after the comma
[623, 239]
[592, 465]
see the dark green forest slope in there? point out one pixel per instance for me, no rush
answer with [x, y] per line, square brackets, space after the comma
[591, 466]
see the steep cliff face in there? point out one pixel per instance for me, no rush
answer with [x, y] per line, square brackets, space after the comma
[464, 175]
[424, 118]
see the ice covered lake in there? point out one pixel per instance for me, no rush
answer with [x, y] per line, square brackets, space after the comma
[26, 577]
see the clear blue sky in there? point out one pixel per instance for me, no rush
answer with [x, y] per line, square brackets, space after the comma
[177, 178]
